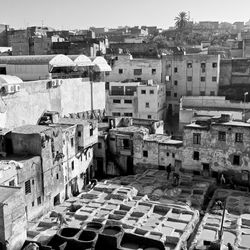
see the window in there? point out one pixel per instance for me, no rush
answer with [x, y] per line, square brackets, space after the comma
[33, 203]
[27, 187]
[127, 101]
[153, 71]
[245, 175]
[91, 130]
[203, 79]
[203, 67]
[212, 93]
[116, 101]
[167, 153]
[238, 137]
[222, 136]
[189, 93]
[145, 153]
[57, 176]
[79, 133]
[116, 114]
[107, 73]
[196, 155]
[196, 138]
[151, 92]
[72, 165]
[99, 145]
[12, 183]
[72, 142]
[89, 154]
[214, 79]
[149, 116]
[214, 65]
[202, 93]
[175, 69]
[112, 139]
[128, 114]
[175, 94]
[175, 82]
[173, 155]
[189, 78]
[126, 143]
[147, 105]
[143, 91]
[189, 65]
[39, 200]
[236, 160]
[33, 182]
[168, 93]
[120, 71]
[137, 72]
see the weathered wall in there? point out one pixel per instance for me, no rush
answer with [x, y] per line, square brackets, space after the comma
[26, 106]
[183, 80]
[15, 222]
[218, 154]
[225, 72]
[128, 64]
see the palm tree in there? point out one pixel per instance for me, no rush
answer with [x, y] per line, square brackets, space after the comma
[181, 20]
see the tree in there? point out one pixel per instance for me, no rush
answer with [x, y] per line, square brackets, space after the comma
[181, 20]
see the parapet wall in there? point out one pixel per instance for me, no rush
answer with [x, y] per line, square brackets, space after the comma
[73, 96]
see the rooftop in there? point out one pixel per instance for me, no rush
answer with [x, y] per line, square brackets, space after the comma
[30, 129]
[130, 129]
[234, 123]
[164, 139]
[7, 79]
[73, 121]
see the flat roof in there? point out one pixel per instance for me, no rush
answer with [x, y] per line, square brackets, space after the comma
[72, 121]
[6, 192]
[234, 123]
[30, 129]
[164, 139]
[130, 129]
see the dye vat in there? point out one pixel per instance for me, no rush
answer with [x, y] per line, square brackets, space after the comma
[228, 237]
[112, 230]
[208, 235]
[94, 226]
[68, 232]
[175, 224]
[86, 239]
[186, 217]
[245, 240]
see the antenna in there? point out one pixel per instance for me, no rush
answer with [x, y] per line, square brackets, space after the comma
[42, 23]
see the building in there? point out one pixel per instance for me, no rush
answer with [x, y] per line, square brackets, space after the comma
[46, 142]
[60, 86]
[136, 99]
[217, 145]
[157, 151]
[189, 75]
[13, 220]
[79, 137]
[137, 50]
[194, 107]
[118, 142]
[125, 67]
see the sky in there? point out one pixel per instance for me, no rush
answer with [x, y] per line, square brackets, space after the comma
[82, 14]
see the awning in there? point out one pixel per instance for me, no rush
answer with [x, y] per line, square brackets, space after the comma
[83, 61]
[102, 67]
[61, 61]
[101, 64]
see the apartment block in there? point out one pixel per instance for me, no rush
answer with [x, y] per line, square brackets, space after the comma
[134, 99]
[217, 145]
[189, 75]
[125, 67]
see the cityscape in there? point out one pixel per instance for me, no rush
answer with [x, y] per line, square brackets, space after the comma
[124, 137]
